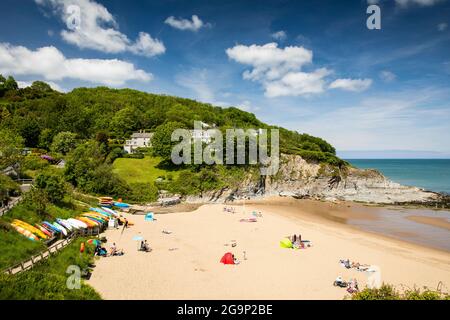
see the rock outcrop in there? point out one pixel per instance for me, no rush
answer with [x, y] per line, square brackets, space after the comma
[301, 179]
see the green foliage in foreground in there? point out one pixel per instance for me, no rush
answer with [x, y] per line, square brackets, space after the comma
[33, 285]
[388, 292]
[47, 281]
[14, 246]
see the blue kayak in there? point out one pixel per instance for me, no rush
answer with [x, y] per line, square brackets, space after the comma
[121, 205]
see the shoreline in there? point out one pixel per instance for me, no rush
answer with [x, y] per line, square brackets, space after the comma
[339, 212]
[201, 237]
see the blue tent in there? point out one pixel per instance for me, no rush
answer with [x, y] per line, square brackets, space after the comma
[149, 216]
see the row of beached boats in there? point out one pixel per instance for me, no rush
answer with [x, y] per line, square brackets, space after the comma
[96, 217]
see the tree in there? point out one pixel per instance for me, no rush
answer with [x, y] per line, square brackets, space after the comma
[161, 140]
[7, 188]
[45, 139]
[52, 185]
[30, 131]
[103, 139]
[41, 86]
[37, 199]
[64, 142]
[11, 145]
[86, 169]
[10, 84]
[125, 121]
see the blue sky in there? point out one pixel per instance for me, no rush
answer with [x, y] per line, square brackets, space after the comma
[310, 66]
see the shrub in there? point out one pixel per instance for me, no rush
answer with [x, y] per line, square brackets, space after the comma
[388, 292]
[52, 184]
[143, 192]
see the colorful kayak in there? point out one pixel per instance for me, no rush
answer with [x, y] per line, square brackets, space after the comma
[25, 232]
[48, 233]
[65, 224]
[101, 215]
[30, 228]
[97, 223]
[100, 210]
[79, 223]
[89, 222]
[121, 205]
[60, 227]
[50, 226]
[72, 225]
[95, 219]
[111, 211]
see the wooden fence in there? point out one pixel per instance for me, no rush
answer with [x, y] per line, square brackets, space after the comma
[52, 250]
[9, 206]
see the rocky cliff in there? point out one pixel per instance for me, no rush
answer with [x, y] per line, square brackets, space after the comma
[301, 179]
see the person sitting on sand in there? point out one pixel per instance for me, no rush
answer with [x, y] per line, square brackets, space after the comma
[235, 260]
[145, 246]
[115, 251]
[353, 286]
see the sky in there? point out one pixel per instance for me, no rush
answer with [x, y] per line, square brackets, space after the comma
[309, 66]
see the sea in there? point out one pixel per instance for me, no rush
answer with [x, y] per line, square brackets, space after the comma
[430, 174]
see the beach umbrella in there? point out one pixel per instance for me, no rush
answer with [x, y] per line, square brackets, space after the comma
[95, 242]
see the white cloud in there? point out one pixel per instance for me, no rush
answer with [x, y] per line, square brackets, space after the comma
[387, 76]
[51, 64]
[424, 3]
[280, 70]
[279, 35]
[97, 29]
[442, 26]
[185, 24]
[298, 84]
[406, 120]
[356, 85]
[246, 105]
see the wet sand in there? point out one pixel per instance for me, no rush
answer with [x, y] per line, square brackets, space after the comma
[436, 222]
[185, 264]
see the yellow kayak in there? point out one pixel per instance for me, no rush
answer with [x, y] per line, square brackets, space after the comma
[30, 228]
[25, 232]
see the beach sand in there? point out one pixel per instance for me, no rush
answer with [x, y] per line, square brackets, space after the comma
[185, 264]
[432, 221]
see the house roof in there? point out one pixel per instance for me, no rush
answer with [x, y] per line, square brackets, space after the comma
[142, 135]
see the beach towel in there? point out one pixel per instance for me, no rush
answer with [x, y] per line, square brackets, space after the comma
[286, 243]
[248, 220]
[227, 258]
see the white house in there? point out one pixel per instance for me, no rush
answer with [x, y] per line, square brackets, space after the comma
[140, 139]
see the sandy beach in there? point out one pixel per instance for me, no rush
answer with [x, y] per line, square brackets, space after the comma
[185, 264]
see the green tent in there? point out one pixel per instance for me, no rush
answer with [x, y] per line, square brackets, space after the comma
[286, 243]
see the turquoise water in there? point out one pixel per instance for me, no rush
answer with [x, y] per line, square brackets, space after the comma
[430, 174]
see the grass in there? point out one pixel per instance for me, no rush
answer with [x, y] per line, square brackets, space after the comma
[14, 246]
[47, 280]
[145, 170]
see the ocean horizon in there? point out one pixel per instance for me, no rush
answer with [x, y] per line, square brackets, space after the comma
[429, 174]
